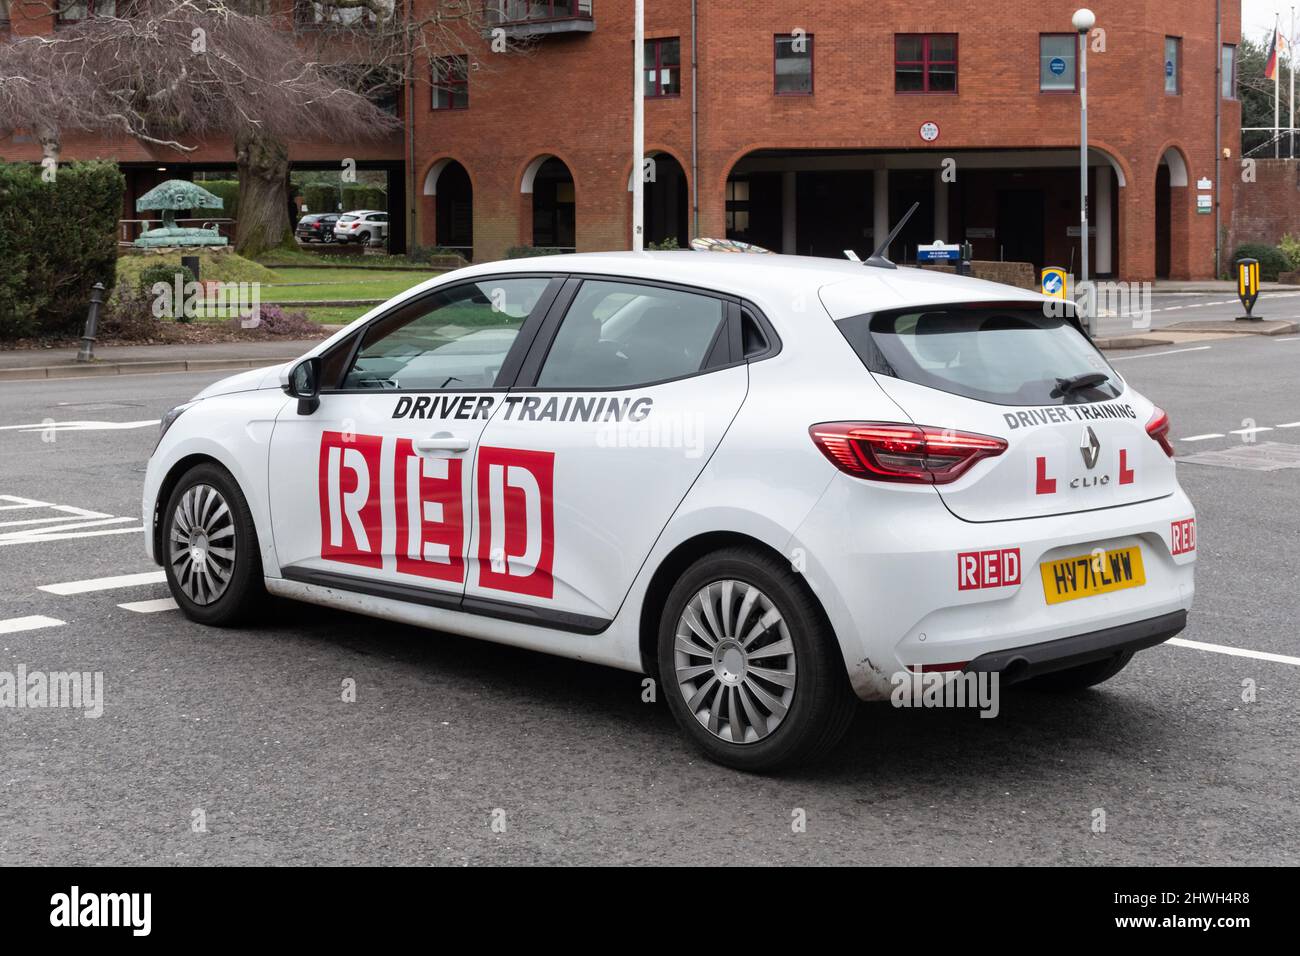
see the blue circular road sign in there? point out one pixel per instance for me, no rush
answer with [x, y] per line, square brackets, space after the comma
[1057, 66]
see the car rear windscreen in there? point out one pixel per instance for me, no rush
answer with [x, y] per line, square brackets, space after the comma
[1006, 356]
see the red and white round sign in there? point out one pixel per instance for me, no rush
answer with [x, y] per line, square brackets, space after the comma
[929, 131]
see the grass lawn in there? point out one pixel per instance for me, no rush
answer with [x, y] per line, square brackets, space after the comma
[301, 285]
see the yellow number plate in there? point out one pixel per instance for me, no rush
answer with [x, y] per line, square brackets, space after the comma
[1091, 574]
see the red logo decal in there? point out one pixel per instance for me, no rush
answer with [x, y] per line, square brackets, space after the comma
[1046, 486]
[1125, 472]
[351, 526]
[430, 526]
[977, 570]
[1182, 536]
[516, 549]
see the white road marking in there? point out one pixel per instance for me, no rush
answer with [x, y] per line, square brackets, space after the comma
[64, 531]
[150, 607]
[1129, 358]
[78, 426]
[36, 621]
[1234, 651]
[1251, 431]
[1292, 339]
[1201, 437]
[105, 584]
[1289, 425]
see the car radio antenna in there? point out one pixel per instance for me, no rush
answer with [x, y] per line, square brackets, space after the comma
[877, 258]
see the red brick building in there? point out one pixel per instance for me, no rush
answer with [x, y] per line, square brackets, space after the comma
[799, 127]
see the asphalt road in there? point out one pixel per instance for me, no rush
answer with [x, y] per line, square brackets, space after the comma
[248, 726]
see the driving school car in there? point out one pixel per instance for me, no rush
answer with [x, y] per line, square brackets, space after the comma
[771, 482]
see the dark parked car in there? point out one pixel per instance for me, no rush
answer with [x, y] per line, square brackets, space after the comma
[317, 227]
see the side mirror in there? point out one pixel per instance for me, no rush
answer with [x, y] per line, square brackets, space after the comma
[304, 385]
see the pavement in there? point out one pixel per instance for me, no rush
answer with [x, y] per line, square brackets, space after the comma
[146, 359]
[235, 746]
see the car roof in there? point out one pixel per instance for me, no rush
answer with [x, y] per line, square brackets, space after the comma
[844, 287]
[772, 282]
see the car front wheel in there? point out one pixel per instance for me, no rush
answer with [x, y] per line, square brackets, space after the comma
[210, 550]
[749, 664]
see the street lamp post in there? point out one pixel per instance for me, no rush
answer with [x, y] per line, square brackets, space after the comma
[638, 128]
[1084, 20]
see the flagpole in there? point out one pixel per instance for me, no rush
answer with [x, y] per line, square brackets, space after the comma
[1277, 89]
[1290, 55]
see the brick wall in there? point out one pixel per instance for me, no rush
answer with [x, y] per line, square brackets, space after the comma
[1269, 208]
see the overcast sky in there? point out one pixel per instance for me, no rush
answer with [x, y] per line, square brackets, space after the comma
[1257, 17]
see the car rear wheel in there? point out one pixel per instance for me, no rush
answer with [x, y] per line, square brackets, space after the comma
[364, 238]
[749, 664]
[1081, 677]
[209, 549]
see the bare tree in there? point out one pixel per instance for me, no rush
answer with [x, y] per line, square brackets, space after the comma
[175, 73]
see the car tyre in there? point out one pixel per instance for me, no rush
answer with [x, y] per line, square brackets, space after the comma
[209, 549]
[1081, 677]
[364, 238]
[745, 708]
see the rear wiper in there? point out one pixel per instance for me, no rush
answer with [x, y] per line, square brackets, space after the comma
[1068, 386]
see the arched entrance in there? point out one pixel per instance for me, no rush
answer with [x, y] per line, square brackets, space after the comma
[1171, 214]
[667, 202]
[453, 214]
[554, 204]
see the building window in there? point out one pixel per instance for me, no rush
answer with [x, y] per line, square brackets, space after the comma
[1228, 64]
[925, 63]
[520, 10]
[451, 83]
[1173, 64]
[4, 12]
[794, 64]
[737, 207]
[663, 67]
[1058, 63]
[75, 10]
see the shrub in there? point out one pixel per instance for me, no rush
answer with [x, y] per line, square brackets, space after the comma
[274, 320]
[129, 318]
[162, 272]
[1290, 247]
[668, 245]
[320, 197]
[364, 197]
[528, 252]
[1272, 260]
[426, 254]
[228, 190]
[57, 239]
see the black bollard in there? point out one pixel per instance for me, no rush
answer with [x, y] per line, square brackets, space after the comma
[87, 352]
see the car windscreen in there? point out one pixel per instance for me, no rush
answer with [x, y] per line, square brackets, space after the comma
[1005, 356]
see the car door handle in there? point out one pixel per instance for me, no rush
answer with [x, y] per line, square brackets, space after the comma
[442, 441]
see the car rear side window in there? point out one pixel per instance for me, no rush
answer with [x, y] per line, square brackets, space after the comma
[1005, 356]
[617, 334]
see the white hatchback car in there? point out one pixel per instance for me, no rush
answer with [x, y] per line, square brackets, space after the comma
[775, 483]
[361, 225]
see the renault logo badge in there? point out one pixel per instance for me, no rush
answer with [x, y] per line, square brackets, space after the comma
[1090, 448]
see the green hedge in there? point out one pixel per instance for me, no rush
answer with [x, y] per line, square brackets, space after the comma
[228, 190]
[320, 197]
[56, 240]
[364, 197]
[1272, 260]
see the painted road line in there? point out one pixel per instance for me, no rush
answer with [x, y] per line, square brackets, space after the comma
[105, 584]
[79, 426]
[1129, 358]
[1234, 651]
[1289, 425]
[35, 622]
[1201, 437]
[64, 531]
[150, 607]
[1251, 431]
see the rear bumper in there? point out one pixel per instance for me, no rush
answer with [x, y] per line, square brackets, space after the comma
[1022, 663]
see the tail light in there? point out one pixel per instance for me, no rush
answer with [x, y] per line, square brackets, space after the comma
[1158, 429]
[917, 454]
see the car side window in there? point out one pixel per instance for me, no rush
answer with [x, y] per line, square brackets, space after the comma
[456, 338]
[619, 334]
